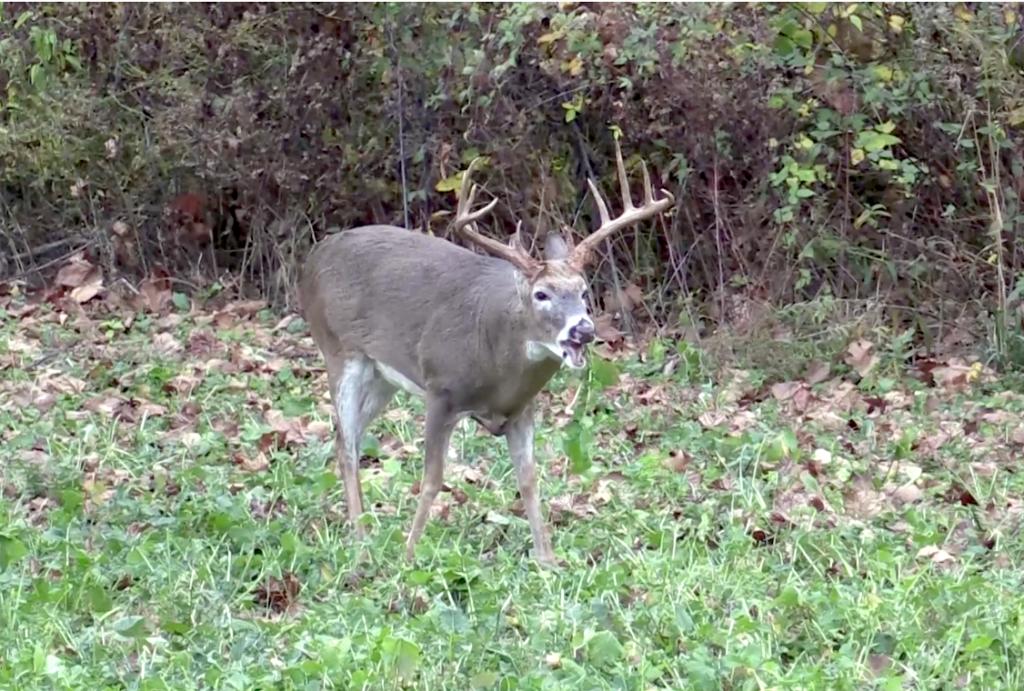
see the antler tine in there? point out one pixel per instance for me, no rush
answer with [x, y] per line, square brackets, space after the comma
[465, 220]
[602, 207]
[627, 197]
[648, 194]
[630, 215]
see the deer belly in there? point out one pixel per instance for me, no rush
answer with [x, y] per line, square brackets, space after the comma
[396, 378]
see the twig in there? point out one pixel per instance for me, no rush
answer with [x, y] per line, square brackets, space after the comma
[401, 123]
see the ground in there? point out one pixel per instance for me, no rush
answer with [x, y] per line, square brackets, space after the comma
[171, 518]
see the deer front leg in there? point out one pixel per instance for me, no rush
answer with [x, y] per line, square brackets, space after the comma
[519, 436]
[439, 426]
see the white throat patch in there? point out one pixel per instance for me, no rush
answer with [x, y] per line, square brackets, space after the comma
[537, 351]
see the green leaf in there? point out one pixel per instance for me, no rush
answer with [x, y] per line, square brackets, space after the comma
[605, 372]
[977, 643]
[180, 301]
[783, 46]
[684, 622]
[789, 597]
[574, 443]
[405, 656]
[11, 550]
[604, 649]
[803, 38]
[22, 18]
[453, 620]
[855, 20]
[99, 600]
[483, 680]
[450, 183]
[130, 627]
[872, 141]
[334, 652]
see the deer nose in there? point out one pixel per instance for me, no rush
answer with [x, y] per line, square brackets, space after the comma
[583, 332]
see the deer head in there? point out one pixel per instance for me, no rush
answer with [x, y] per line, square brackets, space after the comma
[553, 290]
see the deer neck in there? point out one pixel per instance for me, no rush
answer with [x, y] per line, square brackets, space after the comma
[522, 362]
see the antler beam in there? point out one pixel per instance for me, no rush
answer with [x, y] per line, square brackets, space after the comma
[465, 220]
[630, 215]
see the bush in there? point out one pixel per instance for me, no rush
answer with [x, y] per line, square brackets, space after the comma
[853, 151]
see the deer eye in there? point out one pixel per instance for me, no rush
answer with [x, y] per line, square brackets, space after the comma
[541, 296]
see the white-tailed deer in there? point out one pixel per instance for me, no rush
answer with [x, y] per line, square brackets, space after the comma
[476, 336]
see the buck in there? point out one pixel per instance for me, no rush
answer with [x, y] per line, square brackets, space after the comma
[474, 335]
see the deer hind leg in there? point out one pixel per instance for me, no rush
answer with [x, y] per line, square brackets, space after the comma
[359, 394]
[439, 426]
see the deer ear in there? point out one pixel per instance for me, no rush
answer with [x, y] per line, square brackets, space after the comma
[556, 248]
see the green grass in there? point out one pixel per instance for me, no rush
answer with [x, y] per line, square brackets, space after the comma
[171, 518]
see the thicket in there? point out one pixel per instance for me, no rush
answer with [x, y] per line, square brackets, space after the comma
[818, 153]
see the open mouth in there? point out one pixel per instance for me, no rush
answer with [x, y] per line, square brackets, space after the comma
[574, 353]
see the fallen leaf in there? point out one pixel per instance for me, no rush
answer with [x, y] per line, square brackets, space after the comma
[88, 290]
[76, 272]
[678, 461]
[321, 429]
[908, 493]
[278, 594]
[937, 555]
[606, 330]
[166, 344]
[860, 356]
[251, 465]
[786, 390]
[817, 372]
[1018, 435]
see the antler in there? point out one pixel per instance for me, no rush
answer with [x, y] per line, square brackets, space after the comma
[464, 225]
[583, 252]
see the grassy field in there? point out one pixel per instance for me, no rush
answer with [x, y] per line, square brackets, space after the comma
[170, 518]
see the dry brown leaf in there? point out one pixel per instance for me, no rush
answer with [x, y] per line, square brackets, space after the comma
[108, 405]
[678, 461]
[742, 421]
[321, 429]
[76, 272]
[861, 357]
[88, 289]
[817, 372]
[1018, 435]
[278, 594]
[606, 330]
[251, 465]
[802, 399]
[908, 493]
[154, 295]
[786, 390]
[862, 501]
[465, 473]
[166, 344]
[712, 418]
[148, 408]
[935, 554]
[292, 429]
